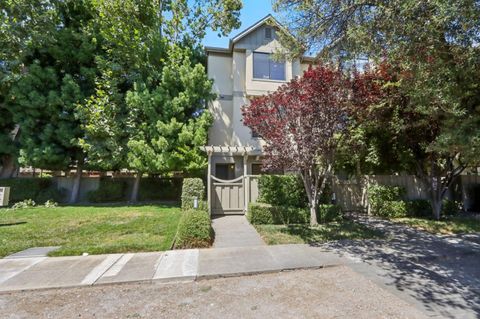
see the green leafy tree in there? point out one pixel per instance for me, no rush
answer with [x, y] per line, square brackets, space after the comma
[432, 118]
[58, 72]
[148, 111]
[22, 25]
[168, 123]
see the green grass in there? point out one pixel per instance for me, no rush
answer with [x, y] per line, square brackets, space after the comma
[90, 229]
[300, 234]
[449, 225]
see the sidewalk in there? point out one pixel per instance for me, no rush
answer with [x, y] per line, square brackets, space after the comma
[175, 265]
[234, 231]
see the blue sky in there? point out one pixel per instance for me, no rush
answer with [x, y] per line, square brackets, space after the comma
[253, 10]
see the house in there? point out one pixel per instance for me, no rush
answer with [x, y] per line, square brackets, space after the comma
[243, 70]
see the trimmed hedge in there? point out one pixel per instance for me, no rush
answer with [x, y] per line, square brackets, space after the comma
[39, 190]
[261, 214]
[282, 190]
[194, 230]
[109, 190]
[287, 190]
[192, 187]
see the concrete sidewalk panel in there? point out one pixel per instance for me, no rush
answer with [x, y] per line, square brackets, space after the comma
[177, 264]
[33, 252]
[11, 267]
[139, 267]
[57, 272]
[100, 269]
[236, 261]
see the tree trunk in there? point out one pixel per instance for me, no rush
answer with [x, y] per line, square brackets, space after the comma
[436, 207]
[8, 166]
[313, 215]
[136, 187]
[76, 185]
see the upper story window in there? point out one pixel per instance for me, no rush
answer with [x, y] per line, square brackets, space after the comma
[268, 33]
[264, 67]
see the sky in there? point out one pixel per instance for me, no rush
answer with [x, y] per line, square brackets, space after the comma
[253, 10]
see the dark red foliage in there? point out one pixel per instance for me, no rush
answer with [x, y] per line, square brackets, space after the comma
[300, 120]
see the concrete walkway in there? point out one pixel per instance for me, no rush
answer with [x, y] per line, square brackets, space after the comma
[176, 265]
[234, 231]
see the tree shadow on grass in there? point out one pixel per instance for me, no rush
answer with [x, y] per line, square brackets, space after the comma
[5, 224]
[331, 231]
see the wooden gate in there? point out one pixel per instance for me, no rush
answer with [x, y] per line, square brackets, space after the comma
[228, 196]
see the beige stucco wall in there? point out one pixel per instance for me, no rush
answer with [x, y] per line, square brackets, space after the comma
[234, 84]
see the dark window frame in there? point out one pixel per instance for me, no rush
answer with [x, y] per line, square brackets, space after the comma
[271, 64]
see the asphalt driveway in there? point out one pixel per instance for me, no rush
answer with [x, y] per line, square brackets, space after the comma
[439, 274]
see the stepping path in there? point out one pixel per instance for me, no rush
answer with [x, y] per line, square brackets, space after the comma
[234, 231]
[175, 265]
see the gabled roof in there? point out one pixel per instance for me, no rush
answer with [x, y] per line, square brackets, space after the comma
[267, 19]
[253, 27]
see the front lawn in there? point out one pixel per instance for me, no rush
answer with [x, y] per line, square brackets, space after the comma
[90, 229]
[449, 225]
[300, 234]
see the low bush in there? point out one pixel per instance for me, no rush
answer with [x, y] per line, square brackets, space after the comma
[329, 213]
[419, 208]
[160, 189]
[109, 190]
[192, 188]
[282, 190]
[38, 189]
[386, 201]
[392, 209]
[451, 207]
[27, 203]
[194, 230]
[264, 214]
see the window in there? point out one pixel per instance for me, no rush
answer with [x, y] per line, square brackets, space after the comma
[264, 67]
[225, 171]
[268, 33]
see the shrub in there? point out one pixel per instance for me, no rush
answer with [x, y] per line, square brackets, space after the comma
[379, 195]
[261, 213]
[451, 207]
[37, 189]
[282, 190]
[28, 203]
[329, 213]
[194, 230]
[109, 190]
[50, 204]
[192, 188]
[160, 189]
[419, 208]
[392, 209]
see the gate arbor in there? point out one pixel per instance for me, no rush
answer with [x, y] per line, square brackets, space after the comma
[231, 196]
